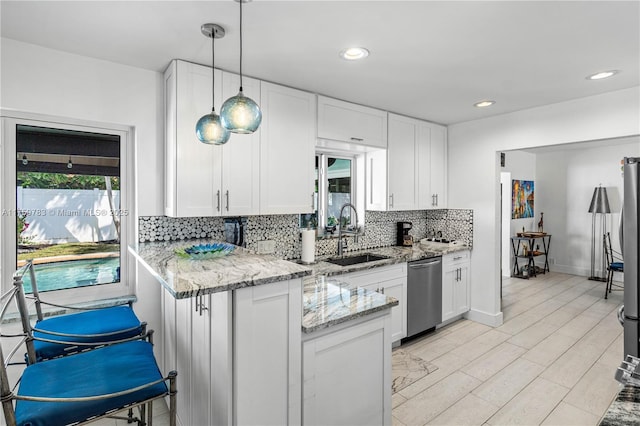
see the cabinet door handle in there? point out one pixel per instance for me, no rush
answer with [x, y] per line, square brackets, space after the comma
[436, 200]
[218, 198]
[227, 195]
[357, 139]
[313, 199]
[457, 258]
[371, 183]
[382, 290]
[200, 306]
[391, 200]
[433, 200]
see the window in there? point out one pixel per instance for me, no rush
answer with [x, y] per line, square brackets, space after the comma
[68, 206]
[66, 196]
[335, 186]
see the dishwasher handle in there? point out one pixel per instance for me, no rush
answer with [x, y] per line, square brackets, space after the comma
[424, 263]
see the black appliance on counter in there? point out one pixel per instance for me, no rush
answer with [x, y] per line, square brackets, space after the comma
[402, 237]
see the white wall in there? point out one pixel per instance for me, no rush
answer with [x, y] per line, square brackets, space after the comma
[566, 180]
[474, 169]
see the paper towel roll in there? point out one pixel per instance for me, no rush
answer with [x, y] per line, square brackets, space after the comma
[308, 245]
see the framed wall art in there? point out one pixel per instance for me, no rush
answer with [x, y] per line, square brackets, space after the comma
[522, 199]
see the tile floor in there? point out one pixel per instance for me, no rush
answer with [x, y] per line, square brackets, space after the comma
[550, 363]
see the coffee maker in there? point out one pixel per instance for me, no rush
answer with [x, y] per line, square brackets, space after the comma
[403, 237]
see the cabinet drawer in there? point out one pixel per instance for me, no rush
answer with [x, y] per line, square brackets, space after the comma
[375, 275]
[456, 258]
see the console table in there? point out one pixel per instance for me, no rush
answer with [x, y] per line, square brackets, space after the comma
[518, 245]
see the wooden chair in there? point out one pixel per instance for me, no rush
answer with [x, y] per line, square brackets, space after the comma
[56, 336]
[83, 387]
[614, 263]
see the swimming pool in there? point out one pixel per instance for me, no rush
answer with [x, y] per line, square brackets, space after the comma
[74, 273]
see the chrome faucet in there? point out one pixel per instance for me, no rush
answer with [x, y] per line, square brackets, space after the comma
[341, 247]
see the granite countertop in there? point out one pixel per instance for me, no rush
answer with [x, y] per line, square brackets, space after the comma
[625, 409]
[394, 254]
[185, 278]
[327, 302]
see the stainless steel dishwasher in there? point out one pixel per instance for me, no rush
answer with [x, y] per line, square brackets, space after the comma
[424, 295]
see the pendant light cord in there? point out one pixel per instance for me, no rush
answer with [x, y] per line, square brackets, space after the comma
[213, 70]
[241, 45]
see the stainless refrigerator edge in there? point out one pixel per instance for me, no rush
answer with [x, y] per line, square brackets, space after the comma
[629, 314]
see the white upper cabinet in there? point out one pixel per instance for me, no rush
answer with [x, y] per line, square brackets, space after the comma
[431, 154]
[411, 173]
[402, 163]
[287, 153]
[240, 190]
[201, 179]
[347, 122]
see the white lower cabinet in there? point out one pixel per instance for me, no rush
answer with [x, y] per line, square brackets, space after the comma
[237, 355]
[391, 281]
[455, 284]
[347, 374]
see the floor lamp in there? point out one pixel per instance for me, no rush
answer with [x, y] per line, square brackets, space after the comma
[599, 204]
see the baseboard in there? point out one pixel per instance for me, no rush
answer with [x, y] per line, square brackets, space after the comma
[492, 320]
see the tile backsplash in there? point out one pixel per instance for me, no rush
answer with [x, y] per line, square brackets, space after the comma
[380, 230]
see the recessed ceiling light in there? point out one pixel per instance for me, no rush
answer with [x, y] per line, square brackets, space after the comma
[354, 53]
[483, 104]
[603, 74]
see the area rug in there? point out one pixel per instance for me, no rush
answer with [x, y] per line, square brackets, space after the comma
[407, 369]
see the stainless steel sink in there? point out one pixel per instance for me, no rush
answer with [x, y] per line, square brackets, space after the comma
[354, 260]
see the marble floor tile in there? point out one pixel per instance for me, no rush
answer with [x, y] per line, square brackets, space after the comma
[568, 415]
[614, 353]
[480, 344]
[506, 384]
[602, 335]
[595, 390]
[434, 400]
[550, 349]
[407, 368]
[434, 349]
[396, 422]
[530, 337]
[397, 399]
[579, 326]
[465, 334]
[493, 361]
[532, 405]
[470, 410]
[516, 324]
[573, 364]
[447, 364]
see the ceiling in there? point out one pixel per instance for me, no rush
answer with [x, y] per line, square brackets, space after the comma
[429, 59]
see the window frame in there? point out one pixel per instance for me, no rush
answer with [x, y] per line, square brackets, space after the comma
[322, 200]
[8, 249]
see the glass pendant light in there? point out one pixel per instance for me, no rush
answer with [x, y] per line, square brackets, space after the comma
[209, 129]
[239, 113]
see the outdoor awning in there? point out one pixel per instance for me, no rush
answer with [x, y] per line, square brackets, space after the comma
[52, 150]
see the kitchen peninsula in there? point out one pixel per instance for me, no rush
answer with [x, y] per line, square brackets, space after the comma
[236, 328]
